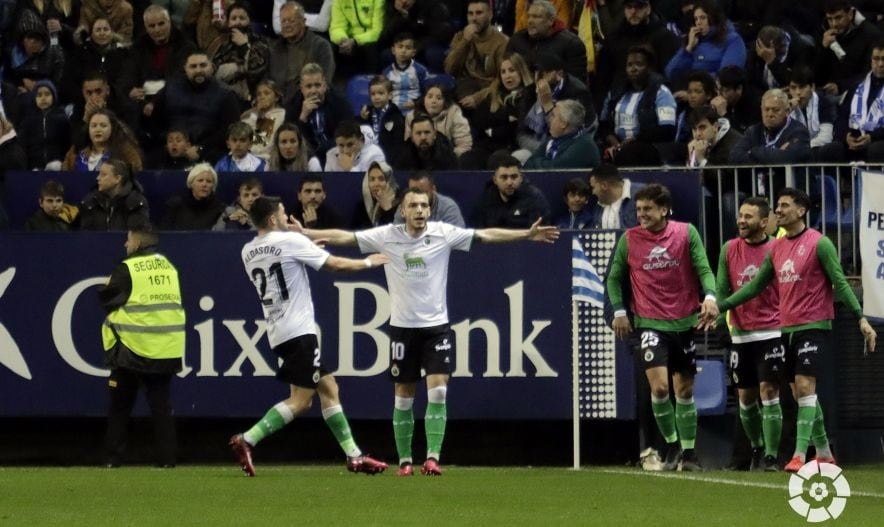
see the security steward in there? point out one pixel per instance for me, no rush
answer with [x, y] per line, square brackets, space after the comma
[143, 337]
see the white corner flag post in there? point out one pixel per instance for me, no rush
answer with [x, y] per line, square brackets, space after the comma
[586, 286]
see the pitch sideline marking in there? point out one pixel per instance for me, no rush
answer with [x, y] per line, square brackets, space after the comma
[738, 483]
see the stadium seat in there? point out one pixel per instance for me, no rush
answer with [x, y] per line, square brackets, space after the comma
[447, 81]
[710, 387]
[357, 92]
[830, 197]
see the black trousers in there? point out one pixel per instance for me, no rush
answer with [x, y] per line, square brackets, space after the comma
[123, 386]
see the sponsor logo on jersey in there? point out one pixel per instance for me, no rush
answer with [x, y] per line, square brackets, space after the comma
[746, 275]
[778, 353]
[659, 258]
[807, 347]
[787, 272]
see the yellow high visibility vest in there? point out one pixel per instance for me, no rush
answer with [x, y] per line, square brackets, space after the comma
[152, 321]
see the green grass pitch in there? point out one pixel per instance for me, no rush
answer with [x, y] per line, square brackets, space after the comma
[296, 495]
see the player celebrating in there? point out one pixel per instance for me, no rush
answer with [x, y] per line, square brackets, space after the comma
[420, 337]
[755, 332]
[808, 274]
[275, 261]
[666, 262]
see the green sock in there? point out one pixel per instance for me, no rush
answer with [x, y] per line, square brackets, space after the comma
[403, 431]
[772, 426]
[434, 425]
[751, 419]
[337, 422]
[818, 434]
[804, 427]
[665, 418]
[686, 421]
[273, 421]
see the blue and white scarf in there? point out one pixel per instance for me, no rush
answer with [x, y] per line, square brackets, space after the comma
[812, 118]
[860, 118]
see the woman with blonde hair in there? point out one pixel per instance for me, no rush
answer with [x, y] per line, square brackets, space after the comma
[380, 197]
[501, 107]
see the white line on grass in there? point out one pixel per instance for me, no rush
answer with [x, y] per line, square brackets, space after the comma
[722, 481]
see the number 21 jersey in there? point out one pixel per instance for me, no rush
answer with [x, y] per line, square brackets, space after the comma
[275, 264]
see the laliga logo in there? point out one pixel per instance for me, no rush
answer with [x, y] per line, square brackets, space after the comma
[818, 492]
[10, 355]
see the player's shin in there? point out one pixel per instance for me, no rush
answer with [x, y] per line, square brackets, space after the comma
[337, 423]
[403, 427]
[435, 421]
[273, 421]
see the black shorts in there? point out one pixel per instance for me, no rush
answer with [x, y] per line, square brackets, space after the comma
[755, 362]
[301, 364]
[802, 352]
[413, 349]
[675, 351]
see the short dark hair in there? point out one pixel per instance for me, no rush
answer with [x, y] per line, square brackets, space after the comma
[607, 172]
[422, 174]
[833, 6]
[309, 178]
[380, 80]
[262, 209]
[798, 196]
[502, 159]
[704, 112]
[94, 75]
[732, 77]
[761, 203]
[422, 117]
[412, 190]
[576, 186]
[251, 182]
[178, 130]
[878, 44]
[402, 36]
[656, 193]
[51, 187]
[646, 52]
[121, 168]
[704, 78]
[802, 75]
[349, 128]
[145, 231]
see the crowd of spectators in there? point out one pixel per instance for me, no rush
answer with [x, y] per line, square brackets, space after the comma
[214, 86]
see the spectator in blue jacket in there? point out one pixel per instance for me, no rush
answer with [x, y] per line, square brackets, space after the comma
[712, 44]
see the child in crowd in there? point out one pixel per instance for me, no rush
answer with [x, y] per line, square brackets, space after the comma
[576, 194]
[177, 154]
[45, 133]
[383, 116]
[406, 74]
[240, 158]
[236, 217]
[54, 215]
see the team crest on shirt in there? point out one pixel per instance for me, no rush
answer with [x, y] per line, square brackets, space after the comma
[787, 272]
[659, 258]
[746, 275]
